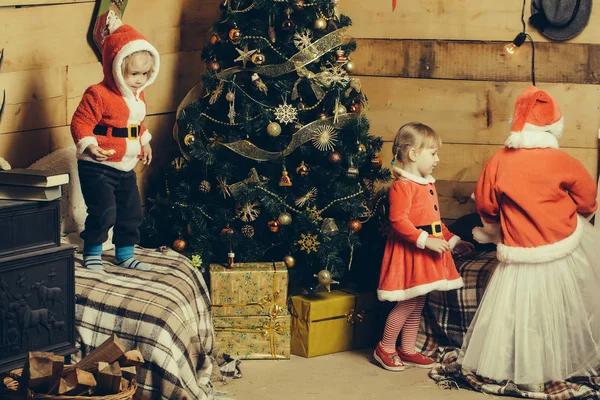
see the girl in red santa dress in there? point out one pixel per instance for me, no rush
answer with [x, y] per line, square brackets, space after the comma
[417, 257]
[539, 319]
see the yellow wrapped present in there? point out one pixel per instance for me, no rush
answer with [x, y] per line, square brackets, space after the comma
[248, 288]
[254, 337]
[330, 322]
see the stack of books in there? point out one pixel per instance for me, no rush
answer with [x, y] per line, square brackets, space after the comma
[32, 184]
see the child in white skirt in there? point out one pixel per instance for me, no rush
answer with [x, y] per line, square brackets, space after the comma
[539, 319]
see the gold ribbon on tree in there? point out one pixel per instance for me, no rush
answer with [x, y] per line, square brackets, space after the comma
[249, 150]
[305, 56]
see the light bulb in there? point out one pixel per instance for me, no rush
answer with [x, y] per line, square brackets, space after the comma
[511, 48]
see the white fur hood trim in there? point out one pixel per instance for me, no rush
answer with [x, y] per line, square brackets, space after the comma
[536, 137]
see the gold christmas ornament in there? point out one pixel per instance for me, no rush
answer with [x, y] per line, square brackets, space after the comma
[354, 225]
[189, 139]
[349, 66]
[285, 179]
[273, 129]
[325, 279]
[289, 261]
[341, 109]
[323, 115]
[234, 35]
[273, 226]
[298, 5]
[335, 157]
[179, 245]
[285, 219]
[248, 231]
[258, 58]
[352, 172]
[361, 148]
[230, 96]
[329, 227]
[320, 24]
[204, 186]
[302, 169]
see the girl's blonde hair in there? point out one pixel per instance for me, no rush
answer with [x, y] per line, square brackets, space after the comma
[414, 135]
[125, 63]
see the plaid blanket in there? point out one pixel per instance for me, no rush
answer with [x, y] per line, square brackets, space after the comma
[447, 315]
[446, 318]
[448, 374]
[164, 312]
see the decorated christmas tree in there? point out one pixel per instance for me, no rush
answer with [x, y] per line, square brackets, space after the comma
[277, 160]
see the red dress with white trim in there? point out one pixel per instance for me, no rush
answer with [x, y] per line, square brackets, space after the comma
[408, 269]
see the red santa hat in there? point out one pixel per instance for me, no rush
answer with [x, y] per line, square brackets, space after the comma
[537, 121]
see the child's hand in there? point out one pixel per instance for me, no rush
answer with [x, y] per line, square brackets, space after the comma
[463, 248]
[438, 245]
[98, 153]
[147, 154]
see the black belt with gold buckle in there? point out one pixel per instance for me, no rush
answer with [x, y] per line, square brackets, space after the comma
[131, 132]
[434, 229]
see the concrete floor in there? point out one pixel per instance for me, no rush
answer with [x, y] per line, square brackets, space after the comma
[350, 376]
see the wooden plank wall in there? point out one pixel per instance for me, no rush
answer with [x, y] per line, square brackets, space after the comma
[48, 64]
[435, 61]
[442, 63]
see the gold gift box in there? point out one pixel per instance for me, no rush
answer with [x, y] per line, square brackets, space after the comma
[254, 337]
[331, 322]
[251, 320]
[248, 288]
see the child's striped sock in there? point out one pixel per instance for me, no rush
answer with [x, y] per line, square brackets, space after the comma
[124, 258]
[92, 256]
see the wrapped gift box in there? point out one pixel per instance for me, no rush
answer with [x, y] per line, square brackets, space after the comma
[254, 337]
[248, 288]
[251, 320]
[330, 322]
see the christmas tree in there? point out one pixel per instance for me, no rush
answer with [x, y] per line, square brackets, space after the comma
[277, 160]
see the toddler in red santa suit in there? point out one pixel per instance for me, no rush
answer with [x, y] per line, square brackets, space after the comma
[109, 132]
[417, 258]
[539, 319]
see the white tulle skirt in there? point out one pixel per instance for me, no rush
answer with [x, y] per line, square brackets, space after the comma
[539, 322]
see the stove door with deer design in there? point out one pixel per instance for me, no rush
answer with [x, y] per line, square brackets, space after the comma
[37, 305]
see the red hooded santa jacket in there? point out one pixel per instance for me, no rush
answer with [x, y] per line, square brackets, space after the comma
[112, 103]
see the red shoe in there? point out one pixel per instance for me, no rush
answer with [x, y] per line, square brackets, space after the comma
[416, 359]
[389, 361]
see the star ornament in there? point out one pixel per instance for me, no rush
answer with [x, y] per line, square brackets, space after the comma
[245, 55]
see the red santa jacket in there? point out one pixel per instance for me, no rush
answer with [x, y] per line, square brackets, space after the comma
[408, 269]
[112, 104]
[529, 197]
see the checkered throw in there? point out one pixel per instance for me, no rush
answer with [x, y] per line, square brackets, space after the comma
[164, 312]
[446, 318]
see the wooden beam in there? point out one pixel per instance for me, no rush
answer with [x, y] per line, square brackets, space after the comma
[464, 162]
[37, 38]
[455, 20]
[473, 111]
[481, 61]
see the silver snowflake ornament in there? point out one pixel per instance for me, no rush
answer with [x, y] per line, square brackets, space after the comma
[286, 113]
[303, 40]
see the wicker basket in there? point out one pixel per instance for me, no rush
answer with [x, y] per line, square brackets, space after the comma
[126, 394]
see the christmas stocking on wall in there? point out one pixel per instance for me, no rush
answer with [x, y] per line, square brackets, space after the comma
[99, 28]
